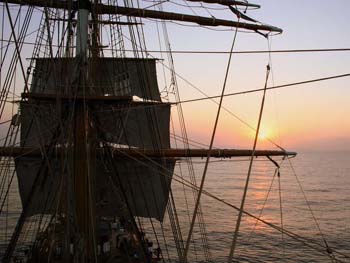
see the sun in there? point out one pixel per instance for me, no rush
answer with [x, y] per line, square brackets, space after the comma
[266, 134]
[262, 135]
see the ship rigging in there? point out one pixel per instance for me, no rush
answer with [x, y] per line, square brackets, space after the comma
[92, 145]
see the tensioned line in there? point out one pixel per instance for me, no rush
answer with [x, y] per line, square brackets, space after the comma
[268, 88]
[238, 222]
[250, 51]
[216, 52]
[210, 147]
[311, 244]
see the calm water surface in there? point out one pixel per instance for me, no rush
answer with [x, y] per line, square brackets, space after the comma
[325, 181]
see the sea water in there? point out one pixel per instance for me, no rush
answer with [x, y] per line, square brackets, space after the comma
[309, 197]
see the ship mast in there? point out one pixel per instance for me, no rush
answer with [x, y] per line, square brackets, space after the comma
[83, 174]
[83, 146]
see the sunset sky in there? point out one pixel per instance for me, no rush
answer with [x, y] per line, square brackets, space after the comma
[306, 117]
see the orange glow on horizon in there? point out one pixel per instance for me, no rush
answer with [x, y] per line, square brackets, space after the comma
[293, 130]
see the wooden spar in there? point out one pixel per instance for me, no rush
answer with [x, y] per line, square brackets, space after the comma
[204, 21]
[163, 153]
[43, 96]
[121, 100]
[227, 2]
[102, 9]
[178, 153]
[64, 4]
[41, 3]
[104, 22]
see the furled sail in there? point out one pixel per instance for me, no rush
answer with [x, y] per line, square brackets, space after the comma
[144, 184]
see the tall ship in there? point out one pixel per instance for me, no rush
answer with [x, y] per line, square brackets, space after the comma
[91, 145]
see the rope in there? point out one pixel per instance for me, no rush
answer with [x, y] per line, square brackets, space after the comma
[18, 49]
[280, 197]
[206, 52]
[156, 136]
[281, 210]
[268, 88]
[315, 246]
[185, 140]
[328, 249]
[234, 241]
[263, 205]
[210, 148]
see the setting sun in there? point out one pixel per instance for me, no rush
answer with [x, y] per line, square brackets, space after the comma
[262, 135]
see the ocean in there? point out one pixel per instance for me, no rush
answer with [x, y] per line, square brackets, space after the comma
[322, 177]
[310, 198]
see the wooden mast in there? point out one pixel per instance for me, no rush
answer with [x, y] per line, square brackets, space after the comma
[84, 147]
[83, 174]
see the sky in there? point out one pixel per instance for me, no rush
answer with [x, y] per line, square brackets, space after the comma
[305, 117]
